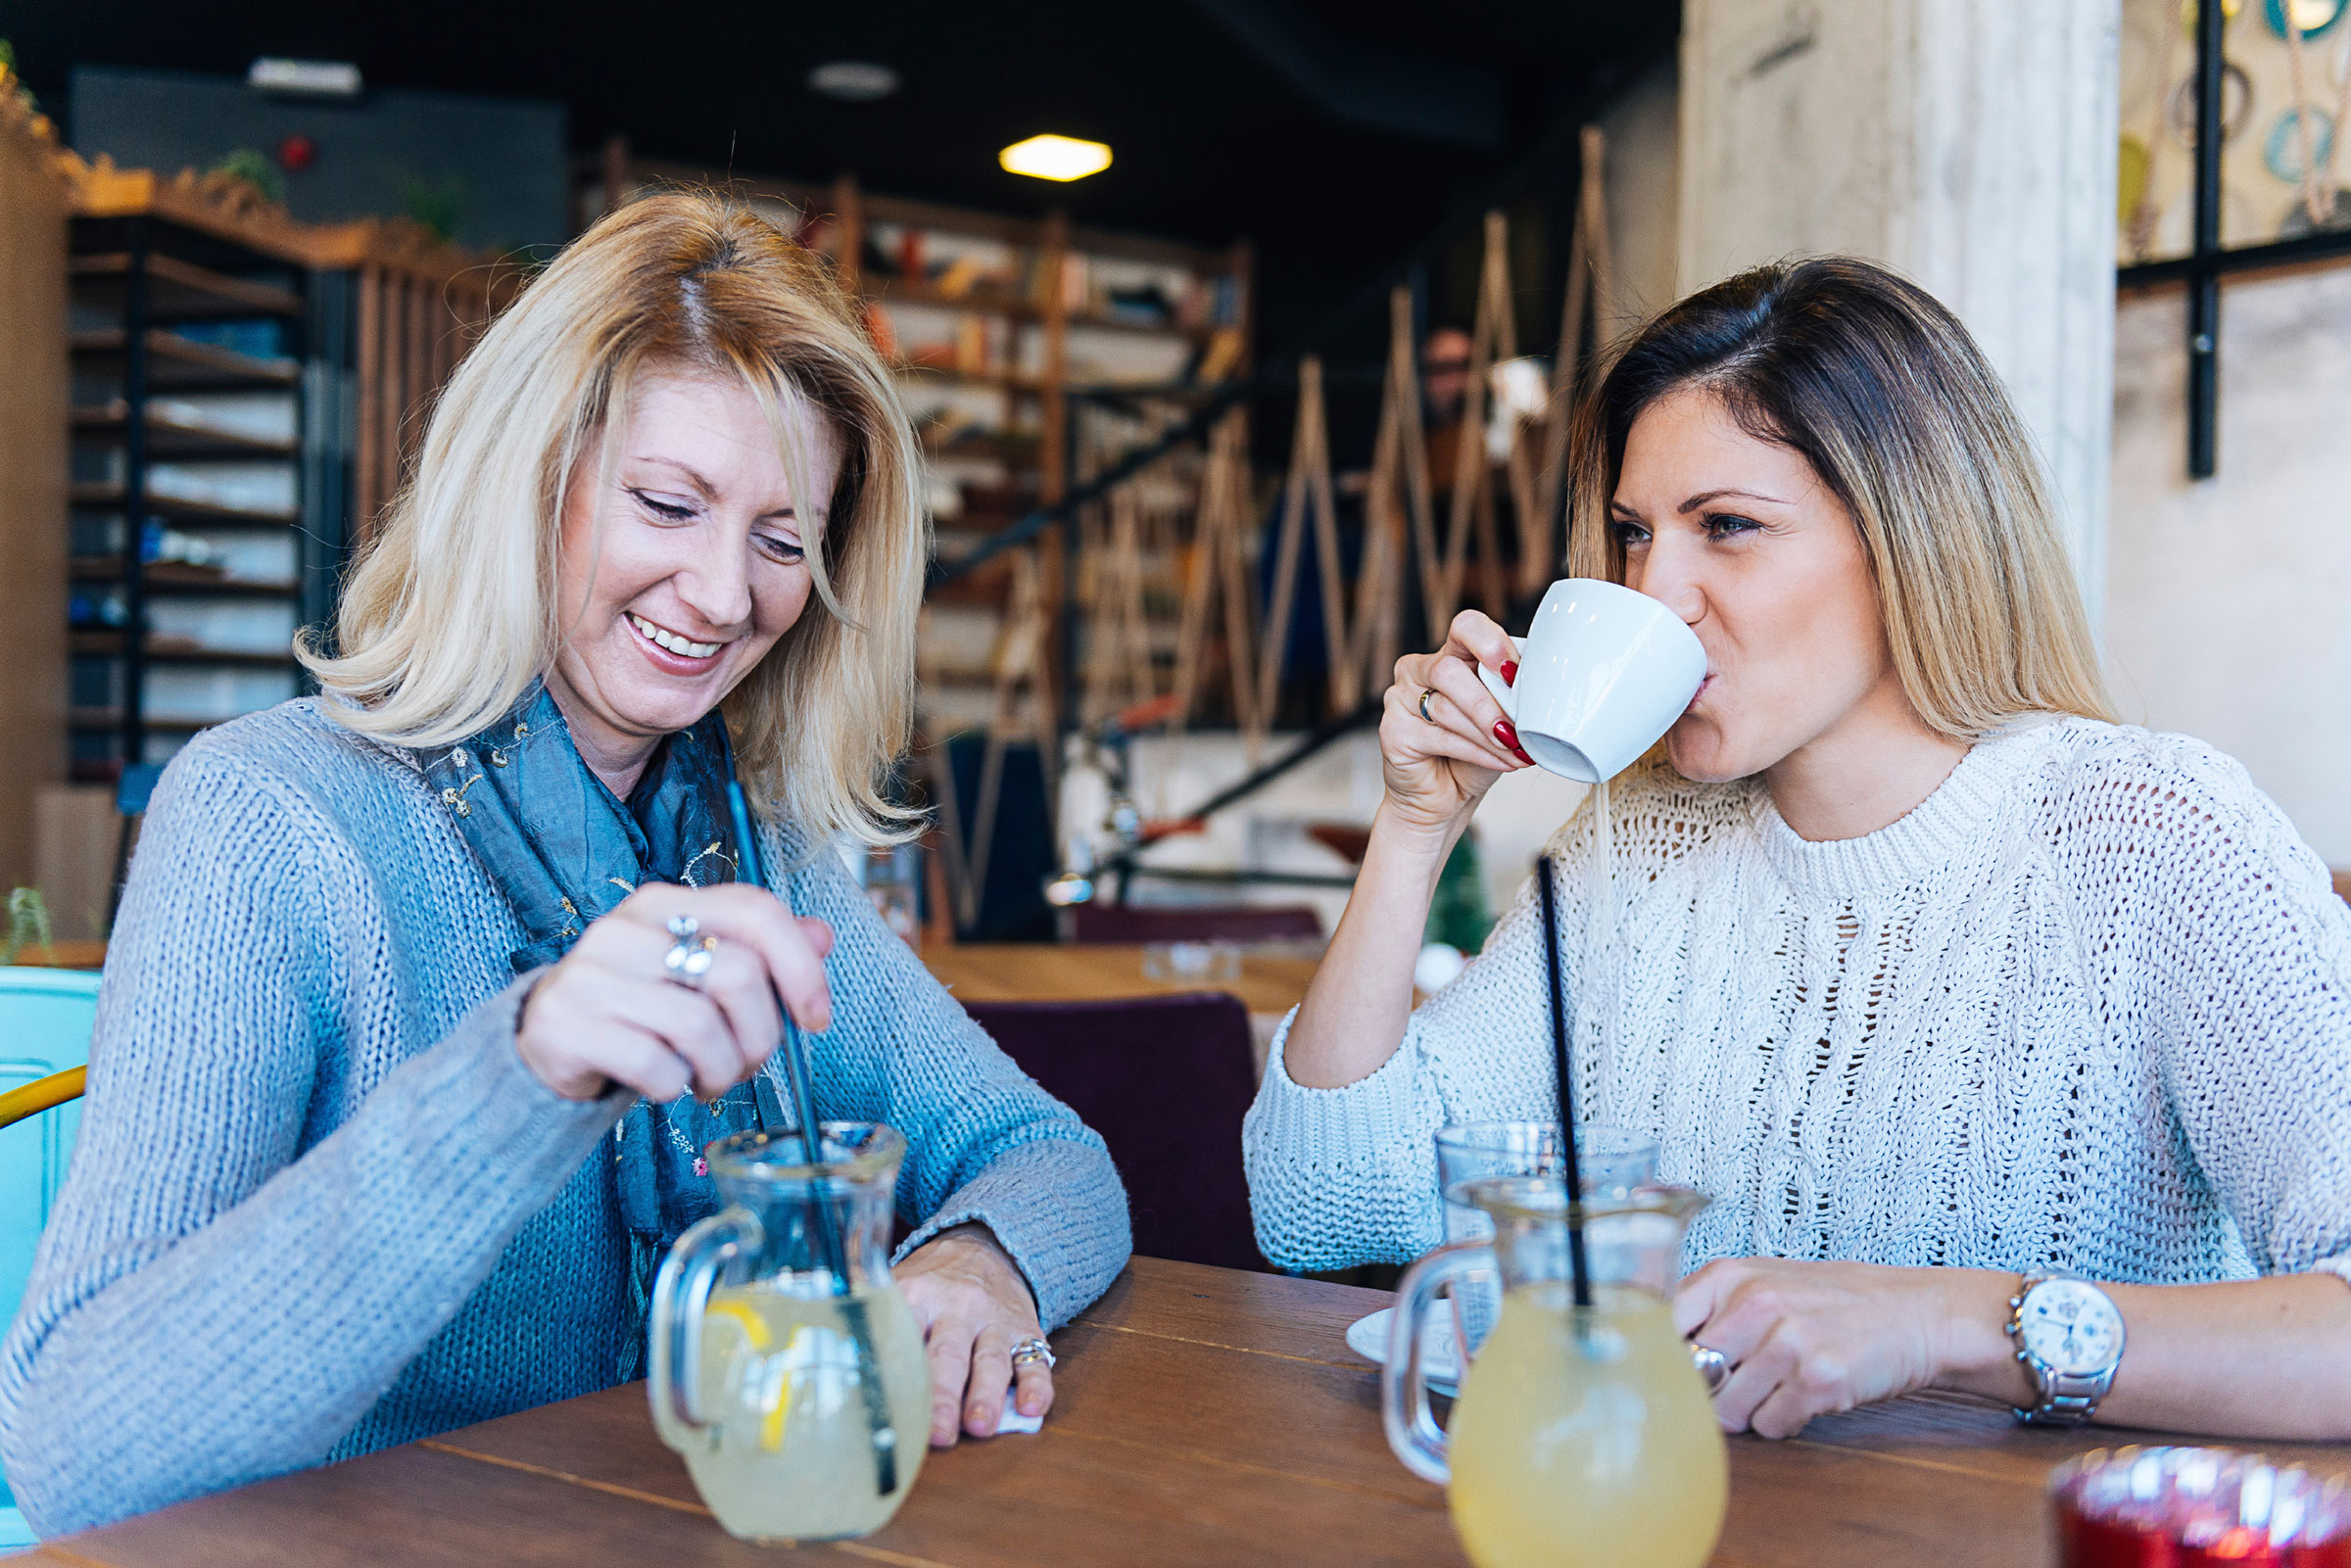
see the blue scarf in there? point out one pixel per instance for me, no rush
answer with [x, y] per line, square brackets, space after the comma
[565, 850]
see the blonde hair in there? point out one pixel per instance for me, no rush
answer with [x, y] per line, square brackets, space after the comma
[452, 612]
[1883, 392]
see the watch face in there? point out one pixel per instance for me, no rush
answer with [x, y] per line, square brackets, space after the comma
[2071, 1325]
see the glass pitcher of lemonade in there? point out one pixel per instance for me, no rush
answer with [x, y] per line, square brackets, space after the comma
[1582, 1435]
[785, 1365]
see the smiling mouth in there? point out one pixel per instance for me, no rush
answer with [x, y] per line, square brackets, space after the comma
[669, 641]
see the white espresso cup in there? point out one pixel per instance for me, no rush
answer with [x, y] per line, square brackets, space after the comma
[1602, 674]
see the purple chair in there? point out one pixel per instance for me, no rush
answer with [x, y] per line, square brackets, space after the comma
[1165, 1080]
[1101, 925]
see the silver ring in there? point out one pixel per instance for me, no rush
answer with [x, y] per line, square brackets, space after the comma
[1426, 693]
[1712, 1365]
[684, 927]
[1032, 1349]
[690, 960]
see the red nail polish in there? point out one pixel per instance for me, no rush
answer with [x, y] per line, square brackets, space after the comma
[1520, 752]
[1509, 671]
[1505, 733]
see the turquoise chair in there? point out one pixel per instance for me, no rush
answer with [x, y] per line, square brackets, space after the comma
[45, 1022]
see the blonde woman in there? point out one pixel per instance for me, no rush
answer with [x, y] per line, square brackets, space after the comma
[1941, 983]
[395, 963]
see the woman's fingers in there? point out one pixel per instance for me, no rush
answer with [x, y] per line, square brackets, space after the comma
[949, 1348]
[689, 1025]
[738, 983]
[991, 1380]
[1443, 733]
[1033, 1391]
[1474, 636]
[739, 912]
[1465, 705]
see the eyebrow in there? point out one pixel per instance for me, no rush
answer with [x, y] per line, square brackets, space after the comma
[1705, 496]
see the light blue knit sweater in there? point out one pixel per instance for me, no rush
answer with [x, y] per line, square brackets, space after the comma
[319, 1205]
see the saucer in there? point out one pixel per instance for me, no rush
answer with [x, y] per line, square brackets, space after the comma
[1367, 1336]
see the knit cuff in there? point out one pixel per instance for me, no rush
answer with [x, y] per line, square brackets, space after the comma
[1326, 1127]
[1050, 1204]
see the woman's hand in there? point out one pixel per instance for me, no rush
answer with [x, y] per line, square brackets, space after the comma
[1439, 767]
[610, 1013]
[1805, 1339]
[975, 1307]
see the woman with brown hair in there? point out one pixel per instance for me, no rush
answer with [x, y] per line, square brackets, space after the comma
[427, 992]
[2005, 1038]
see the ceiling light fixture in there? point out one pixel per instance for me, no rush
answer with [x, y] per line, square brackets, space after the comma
[856, 81]
[1062, 157]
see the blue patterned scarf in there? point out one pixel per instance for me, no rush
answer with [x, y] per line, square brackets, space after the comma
[565, 850]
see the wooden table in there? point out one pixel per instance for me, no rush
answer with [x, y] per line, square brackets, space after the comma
[1045, 972]
[1204, 1417]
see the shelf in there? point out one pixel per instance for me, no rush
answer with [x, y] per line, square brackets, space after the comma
[995, 301]
[177, 288]
[1006, 380]
[168, 437]
[180, 579]
[176, 362]
[93, 644]
[103, 494]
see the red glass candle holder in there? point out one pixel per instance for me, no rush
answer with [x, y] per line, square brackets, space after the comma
[2173, 1507]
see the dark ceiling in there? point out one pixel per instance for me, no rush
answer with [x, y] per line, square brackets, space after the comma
[1227, 116]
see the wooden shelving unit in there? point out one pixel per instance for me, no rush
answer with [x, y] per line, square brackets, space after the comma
[245, 392]
[187, 428]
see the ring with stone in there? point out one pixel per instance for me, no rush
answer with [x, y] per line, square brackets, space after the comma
[690, 953]
[1712, 1365]
[1032, 1349]
[1426, 693]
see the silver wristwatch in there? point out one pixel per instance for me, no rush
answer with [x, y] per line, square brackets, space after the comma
[2069, 1335]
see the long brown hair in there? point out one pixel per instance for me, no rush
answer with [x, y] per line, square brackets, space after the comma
[1883, 392]
[453, 613]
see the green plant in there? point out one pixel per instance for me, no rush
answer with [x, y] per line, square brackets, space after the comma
[254, 167]
[434, 205]
[27, 923]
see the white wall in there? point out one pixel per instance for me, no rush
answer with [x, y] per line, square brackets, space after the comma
[1969, 144]
[2228, 601]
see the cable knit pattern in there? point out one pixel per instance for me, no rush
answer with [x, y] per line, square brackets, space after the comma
[319, 1205]
[2089, 1006]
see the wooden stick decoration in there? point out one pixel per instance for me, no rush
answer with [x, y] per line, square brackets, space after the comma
[1472, 473]
[1220, 569]
[1020, 671]
[1306, 493]
[1588, 282]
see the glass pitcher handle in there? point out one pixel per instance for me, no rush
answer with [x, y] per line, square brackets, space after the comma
[681, 1292]
[1413, 1431]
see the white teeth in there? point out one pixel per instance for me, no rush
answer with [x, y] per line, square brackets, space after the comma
[671, 640]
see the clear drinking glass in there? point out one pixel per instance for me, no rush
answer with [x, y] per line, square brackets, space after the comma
[785, 1365]
[1616, 1161]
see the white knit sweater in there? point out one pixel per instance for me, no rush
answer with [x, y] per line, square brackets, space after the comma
[2087, 1006]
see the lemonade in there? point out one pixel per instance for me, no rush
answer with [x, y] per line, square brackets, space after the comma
[789, 1454]
[1598, 1449]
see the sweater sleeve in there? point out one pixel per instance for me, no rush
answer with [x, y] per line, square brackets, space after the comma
[2213, 910]
[1344, 1176]
[222, 1293]
[985, 1142]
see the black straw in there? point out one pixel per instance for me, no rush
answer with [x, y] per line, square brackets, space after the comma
[1566, 1067]
[812, 1153]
